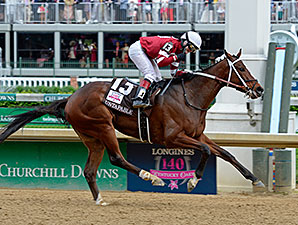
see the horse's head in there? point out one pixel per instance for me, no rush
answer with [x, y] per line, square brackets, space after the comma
[239, 77]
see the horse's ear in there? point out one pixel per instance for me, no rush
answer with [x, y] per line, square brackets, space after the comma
[228, 56]
[239, 53]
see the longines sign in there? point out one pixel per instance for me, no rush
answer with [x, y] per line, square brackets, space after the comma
[174, 166]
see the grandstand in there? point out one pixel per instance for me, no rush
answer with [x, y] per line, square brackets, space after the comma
[36, 44]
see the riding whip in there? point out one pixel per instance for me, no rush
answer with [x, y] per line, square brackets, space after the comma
[173, 77]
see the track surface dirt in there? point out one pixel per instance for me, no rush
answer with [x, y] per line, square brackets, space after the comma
[77, 207]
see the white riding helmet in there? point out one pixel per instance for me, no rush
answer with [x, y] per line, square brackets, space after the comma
[193, 39]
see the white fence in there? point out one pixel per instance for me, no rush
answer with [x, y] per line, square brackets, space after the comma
[86, 80]
[33, 82]
[46, 81]
[49, 81]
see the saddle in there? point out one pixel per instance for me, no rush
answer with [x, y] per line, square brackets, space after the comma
[122, 90]
[119, 99]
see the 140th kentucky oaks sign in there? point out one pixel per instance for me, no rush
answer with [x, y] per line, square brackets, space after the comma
[174, 166]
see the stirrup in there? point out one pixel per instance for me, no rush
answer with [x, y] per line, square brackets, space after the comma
[140, 104]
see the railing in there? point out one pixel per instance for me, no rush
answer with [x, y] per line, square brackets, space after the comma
[45, 63]
[34, 68]
[34, 82]
[96, 12]
[84, 63]
[225, 139]
[50, 81]
[165, 11]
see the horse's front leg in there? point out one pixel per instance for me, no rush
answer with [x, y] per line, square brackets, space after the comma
[184, 141]
[224, 154]
[117, 159]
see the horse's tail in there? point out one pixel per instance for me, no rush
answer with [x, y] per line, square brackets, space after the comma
[56, 109]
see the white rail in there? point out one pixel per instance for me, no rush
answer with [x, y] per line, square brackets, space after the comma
[49, 81]
[237, 139]
[46, 81]
[86, 80]
[34, 82]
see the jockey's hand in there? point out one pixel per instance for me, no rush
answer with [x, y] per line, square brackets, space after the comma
[180, 73]
[181, 57]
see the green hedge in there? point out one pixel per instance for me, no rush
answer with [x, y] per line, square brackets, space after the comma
[22, 104]
[35, 90]
[43, 90]
[294, 108]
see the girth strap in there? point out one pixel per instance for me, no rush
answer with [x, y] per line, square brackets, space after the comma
[143, 125]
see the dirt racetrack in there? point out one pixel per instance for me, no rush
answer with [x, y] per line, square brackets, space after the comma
[77, 207]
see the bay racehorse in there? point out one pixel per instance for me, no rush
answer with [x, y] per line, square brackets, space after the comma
[177, 120]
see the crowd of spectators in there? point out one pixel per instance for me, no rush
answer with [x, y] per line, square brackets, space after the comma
[79, 52]
[285, 11]
[117, 57]
[129, 11]
[108, 11]
[82, 52]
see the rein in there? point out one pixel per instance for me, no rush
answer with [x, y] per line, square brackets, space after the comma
[186, 99]
[218, 79]
[228, 82]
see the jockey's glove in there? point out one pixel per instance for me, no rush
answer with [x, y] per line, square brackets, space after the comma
[179, 73]
[181, 57]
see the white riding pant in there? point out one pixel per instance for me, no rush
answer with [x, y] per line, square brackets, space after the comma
[148, 67]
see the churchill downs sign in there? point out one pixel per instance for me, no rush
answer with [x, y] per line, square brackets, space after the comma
[54, 165]
[74, 172]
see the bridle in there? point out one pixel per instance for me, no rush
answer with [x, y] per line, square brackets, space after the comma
[231, 64]
[227, 82]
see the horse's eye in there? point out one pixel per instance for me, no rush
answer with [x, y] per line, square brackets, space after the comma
[241, 69]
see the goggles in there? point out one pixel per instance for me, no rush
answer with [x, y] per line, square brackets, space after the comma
[192, 48]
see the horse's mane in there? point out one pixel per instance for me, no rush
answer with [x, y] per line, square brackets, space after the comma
[217, 60]
[189, 76]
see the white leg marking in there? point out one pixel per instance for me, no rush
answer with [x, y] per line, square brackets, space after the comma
[156, 181]
[99, 200]
[192, 183]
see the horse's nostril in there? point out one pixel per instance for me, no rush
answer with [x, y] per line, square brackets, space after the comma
[259, 90]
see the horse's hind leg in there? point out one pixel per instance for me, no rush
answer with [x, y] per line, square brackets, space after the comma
[95, 155]
[225, 155]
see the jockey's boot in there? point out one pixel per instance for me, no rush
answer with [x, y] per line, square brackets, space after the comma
[141, 99]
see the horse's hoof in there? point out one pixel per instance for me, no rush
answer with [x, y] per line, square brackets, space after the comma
[101, 203]
[192, 183]
[156, 181]
[258, 184]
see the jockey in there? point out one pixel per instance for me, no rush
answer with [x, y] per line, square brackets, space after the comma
[150, 53]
